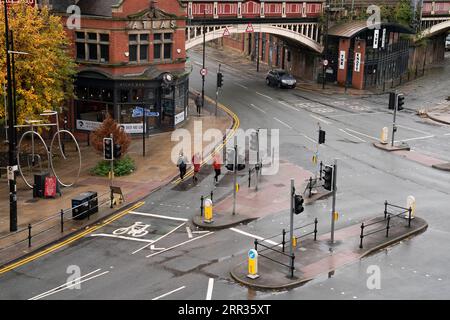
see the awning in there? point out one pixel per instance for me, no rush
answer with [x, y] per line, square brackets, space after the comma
[353, 28]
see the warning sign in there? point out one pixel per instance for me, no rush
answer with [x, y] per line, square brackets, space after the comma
[226, 32]
[249, 28]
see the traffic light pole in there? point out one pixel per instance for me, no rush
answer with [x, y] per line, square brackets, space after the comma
[333, 210]
[204, 57]
[394, 127]
[217, 91]
[257, 159]
[291, 223]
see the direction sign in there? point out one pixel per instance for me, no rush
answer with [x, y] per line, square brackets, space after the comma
[204, 72]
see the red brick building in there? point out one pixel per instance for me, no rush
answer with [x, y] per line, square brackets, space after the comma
[131, 56]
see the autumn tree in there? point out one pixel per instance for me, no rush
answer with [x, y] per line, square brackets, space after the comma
[44, 77]
[104, 131]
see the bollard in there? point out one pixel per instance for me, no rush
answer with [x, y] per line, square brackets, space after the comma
[256, 244]
[294, 242]
[62, 220]
[252, 264]
[310, 187]
[387, 226]
[284, 240]
[201, 206]
[320, 172]
[384, 135]
[29, 235]
[361, 235]
[212, 195]
[411, 203]
[249, 177]
[292, 265]
[208, 218]
[409, 217]
[315, 229]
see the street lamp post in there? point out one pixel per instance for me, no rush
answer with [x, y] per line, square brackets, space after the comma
[12, 159]
[325, 45]
[204, 58]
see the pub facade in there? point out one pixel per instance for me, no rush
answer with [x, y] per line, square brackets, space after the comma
[131, 58]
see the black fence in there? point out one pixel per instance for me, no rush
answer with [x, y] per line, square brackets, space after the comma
[57, 222]
[385, 224]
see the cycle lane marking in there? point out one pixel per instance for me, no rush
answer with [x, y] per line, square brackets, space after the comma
[169, 293]
[179, 245]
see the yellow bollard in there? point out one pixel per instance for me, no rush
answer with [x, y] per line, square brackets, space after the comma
[294, 242]
[208, 217]
[384, 135]
[410, 203]
[336, 216]
[253, 264]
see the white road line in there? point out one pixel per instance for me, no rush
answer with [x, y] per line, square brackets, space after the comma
[263, 95]
[357, 114]
[418, 138]
[43, 295]
[362, 134]
[352, 135]
[288, 106]
[198, 232]
[189, 232]
[242, 86]
[254, 236]
[210, 289]
[447, 134]
[417, 130]
[320, 119]
[158, 216]
[258, 108]
[178, 245]
[283, 123]
[168, 293]
[120, 237]
[163, 236]
[310, 139]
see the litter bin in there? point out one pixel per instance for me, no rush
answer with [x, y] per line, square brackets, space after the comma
[84, 205]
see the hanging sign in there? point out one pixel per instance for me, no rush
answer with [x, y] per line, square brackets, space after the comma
[342, 60]
[357, 62]
[376, 35]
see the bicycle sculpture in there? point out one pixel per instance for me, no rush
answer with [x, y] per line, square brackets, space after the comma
[34, 158]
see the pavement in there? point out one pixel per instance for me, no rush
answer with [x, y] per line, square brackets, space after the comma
[153, 171]
[316, 257]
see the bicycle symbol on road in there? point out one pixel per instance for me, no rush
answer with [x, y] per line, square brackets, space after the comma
[138, 229]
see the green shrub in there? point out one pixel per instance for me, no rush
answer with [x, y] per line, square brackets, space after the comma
[122, 167]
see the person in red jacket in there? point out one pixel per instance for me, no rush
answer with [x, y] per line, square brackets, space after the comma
[217, 164]
[196, 162]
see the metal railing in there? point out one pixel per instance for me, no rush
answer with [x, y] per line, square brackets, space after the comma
[59, 218]
[387, 221]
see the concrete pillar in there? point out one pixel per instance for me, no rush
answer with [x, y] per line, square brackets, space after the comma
[358, 70]
[344, 46]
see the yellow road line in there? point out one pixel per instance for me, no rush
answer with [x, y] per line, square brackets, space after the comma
[69, 240]
[219, 147]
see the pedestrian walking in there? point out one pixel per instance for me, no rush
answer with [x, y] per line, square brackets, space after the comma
[198, 103]
[181, 164]
[217, 165]
[196, 162]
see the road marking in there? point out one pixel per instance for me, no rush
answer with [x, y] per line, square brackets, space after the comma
[241, 85]
[351, 135]
[158, 216]
[70, 240]
[283, 123]
[263, 95]
[418, 138]
[310, 139]
[189, 232]
[252, 105]
[363, 134]
[200, 231]
[320, 119]
[210, 289]
[447, 134]
[357, 114]
[152, 247]
[178, 245]
[120, 237]
[67, 286]
[169, 293]
[417, 130]
[163, 236]
[288, 106]
[254, 236]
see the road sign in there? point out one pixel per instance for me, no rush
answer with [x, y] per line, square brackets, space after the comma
[226, 32]
[204, 72]
[11, 170]
[252, 264]
[249, 28]
[325, 62]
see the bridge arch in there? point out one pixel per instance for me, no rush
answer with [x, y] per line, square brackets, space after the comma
[436, 29]
[217, 32]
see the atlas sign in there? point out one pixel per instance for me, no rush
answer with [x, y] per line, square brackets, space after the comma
[28, 2]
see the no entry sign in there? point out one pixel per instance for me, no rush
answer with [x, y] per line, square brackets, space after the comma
[204, 72]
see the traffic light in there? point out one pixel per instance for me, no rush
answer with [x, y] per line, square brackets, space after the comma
[108, 148]
[254, 141]
[117, 151]
[392, 98]
[230, 161]
[219, 80]
[400, 101]
[298, 204]
[321, 136]
[328, 178]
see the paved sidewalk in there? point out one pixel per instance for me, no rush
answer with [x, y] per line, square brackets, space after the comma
[153, 171]
[314, 258]
[440, 113]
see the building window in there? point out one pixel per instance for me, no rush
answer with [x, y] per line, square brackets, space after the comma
[162, 46]
[92, 46]
[138, 47]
